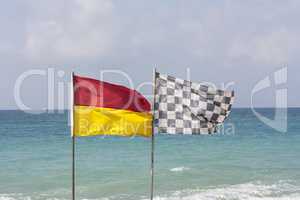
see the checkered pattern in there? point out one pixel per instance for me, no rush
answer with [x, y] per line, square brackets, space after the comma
[184, 107]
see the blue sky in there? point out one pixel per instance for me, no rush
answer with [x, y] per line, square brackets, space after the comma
[219, 41]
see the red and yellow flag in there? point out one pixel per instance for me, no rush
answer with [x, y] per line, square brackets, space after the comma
[102, 108]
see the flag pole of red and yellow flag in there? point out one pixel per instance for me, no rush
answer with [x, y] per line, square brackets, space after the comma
[102, 108]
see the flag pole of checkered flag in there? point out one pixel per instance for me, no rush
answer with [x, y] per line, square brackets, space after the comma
[185, 107]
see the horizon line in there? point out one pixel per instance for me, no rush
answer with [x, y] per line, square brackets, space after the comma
[241, 107]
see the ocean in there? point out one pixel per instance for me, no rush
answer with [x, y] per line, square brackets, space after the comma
[250, 162]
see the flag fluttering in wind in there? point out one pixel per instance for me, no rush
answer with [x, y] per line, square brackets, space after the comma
[184, 107]
[102, 108]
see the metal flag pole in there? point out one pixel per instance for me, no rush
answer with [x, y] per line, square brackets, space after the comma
[73, 136]
[73, 168]
[152, 137]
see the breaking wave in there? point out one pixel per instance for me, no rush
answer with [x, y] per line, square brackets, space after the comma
[179, 169]
[247, 191]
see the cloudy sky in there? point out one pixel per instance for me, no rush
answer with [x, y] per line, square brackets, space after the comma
[218, 41]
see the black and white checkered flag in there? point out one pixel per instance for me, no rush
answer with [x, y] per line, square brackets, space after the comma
[184, 107]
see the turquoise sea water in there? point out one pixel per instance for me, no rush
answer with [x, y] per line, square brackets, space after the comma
[256, 162]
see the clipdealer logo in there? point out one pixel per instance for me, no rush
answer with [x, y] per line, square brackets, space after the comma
[279, 77]
[58, 90]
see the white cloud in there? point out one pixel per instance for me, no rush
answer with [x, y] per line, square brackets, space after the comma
[226, 34]
[83, 30]
[270, 48]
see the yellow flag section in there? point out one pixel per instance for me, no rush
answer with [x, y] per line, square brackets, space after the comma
[102, 108]
[91, 121]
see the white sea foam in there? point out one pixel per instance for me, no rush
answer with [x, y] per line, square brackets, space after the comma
[248, 191]
[13, 197]
[179, 169]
